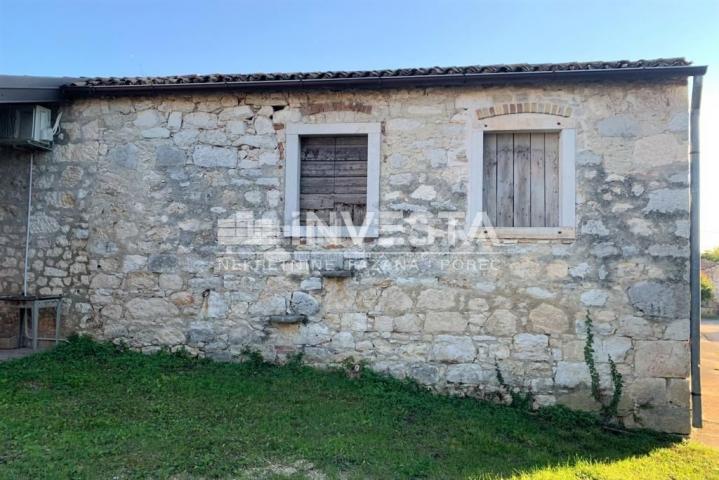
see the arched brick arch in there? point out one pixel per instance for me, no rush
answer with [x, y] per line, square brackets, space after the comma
[524, 107]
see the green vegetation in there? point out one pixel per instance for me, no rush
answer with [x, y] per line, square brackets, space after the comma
[707, 287]
[608, 409]
[91, 410]
[712, 254]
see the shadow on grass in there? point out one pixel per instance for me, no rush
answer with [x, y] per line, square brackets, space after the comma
[89, 410]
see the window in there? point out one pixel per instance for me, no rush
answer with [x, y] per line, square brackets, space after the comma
[522, 177]
[332, 180]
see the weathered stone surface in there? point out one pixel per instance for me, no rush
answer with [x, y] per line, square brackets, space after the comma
[408, 323]
[529, 346]
[547, 318]
[103, 280]
[124, 156]
[162, 263]
[133, 263]
[304, 303]
[200, 332]
[594, 298]
[424, 192]
[618, 126]
[656, 299]
[469, 373]
[201, 120]
[212, 157]
[436, 299]
[449, 322]
[659, 358]
[169, 156]
[140, 281]
[667, 200]
[216, 305]
[595, 227]
[168, 281]
[311, 284]
[502, 322]
[648, 391]
[572, 374]
[667, 419]
[150, 308]
[424, 373]
[452, 349]
[394, 301]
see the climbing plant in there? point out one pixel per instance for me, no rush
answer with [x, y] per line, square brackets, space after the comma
[608, 408]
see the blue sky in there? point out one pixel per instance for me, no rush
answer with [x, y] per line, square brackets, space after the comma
[153, 37]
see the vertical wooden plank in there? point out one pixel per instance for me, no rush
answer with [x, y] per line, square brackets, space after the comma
[551, 176]
[538, 218]
[521, 180]
[489, 177]
[505, 180]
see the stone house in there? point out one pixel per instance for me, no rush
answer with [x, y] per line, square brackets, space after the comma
[494, 207]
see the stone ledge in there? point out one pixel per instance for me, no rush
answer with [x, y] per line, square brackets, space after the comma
[295, 318]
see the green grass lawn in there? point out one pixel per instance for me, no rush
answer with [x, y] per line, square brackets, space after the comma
[86, 410]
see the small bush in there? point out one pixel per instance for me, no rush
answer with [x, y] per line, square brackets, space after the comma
[82, 347]
[712, 254]
[707, 287]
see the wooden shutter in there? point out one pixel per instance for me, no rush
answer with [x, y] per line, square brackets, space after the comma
[333, 180]
[520, 185]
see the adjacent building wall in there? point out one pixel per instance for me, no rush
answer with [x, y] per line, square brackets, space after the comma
[133, 196]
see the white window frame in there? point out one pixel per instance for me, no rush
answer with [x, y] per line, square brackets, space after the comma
[526, 122]
[293, 134]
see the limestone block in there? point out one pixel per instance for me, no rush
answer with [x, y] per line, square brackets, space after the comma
[547, 318]
[214, 157]
[394, 301]
[661, 358]
[648, 391]
[424, 373]
[409, 323]
[502, 322]
[103, 281]
[594, 298]
[667, 200]
[131, 263]
[162, 263]
[200, 120]
[530, 346]
[150, 308]
[436, 299]
[657, 299]
[469, 373]
[449, 322]
[452, 349]
[572, 374]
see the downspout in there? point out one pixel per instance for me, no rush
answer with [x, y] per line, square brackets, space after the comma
[695, 313]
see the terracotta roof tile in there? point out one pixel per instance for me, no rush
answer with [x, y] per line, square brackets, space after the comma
[402, 72]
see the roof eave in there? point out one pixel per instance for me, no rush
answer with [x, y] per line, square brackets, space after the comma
[391, 82]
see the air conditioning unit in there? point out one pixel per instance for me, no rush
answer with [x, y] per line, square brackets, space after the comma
[27, 126]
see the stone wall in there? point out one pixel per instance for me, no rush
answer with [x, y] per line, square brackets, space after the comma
[13, 213]
[134, 194]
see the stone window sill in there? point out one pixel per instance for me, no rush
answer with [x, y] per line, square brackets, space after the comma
[531, 233]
